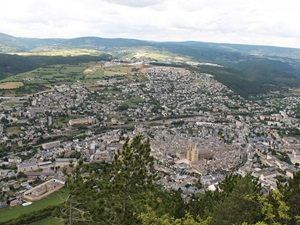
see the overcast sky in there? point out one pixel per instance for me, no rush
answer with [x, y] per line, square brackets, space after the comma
[263, 22]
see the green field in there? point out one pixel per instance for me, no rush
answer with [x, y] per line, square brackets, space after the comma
[14, 212]
[68, 74]
[97, 74]
[50, 74]
[13, 130]
[62, 120]
[134, 101]
[48, 221]
[100, 72]
[43, 78]
[10, 85]
[11, 104]
[113, 92]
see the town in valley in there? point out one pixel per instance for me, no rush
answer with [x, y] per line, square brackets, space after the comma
[199, 129]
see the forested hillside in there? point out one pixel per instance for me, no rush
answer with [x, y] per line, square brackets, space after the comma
[14, 64]
[248, 82]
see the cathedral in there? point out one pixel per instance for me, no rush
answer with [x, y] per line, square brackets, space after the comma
[194, 153]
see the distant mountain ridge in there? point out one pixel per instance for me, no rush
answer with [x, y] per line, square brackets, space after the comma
[9, 43]
[249, 49]
[19, 44]
[248, 69]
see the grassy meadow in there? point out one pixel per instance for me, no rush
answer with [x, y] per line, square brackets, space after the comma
[13, 130]
[134, 101]
[48, 221]
[54, 199]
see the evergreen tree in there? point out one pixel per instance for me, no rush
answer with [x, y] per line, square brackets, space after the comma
[118, 193]
[241, 203]
[151, 218]
[291, 197]
[206, 206]
[274, 209]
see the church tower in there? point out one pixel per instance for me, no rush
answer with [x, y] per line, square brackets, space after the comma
[192, 152]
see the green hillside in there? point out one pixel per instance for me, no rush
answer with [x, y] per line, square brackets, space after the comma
[14, 64]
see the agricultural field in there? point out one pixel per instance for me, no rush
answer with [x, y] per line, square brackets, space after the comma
[117, 70]
[103, 71]
[48, 75]
[53, 199]
[87, 74]
[10, 85]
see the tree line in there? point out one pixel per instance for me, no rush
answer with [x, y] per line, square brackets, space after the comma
[14, 64]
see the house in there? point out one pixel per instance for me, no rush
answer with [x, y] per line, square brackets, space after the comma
[5, 188]
[13, 161]
[267, 175]
[51, 145]
[86, 120]
[45, 165]
[43, 190]
[41, 175]
[39, 190]
[103, 156]
[27, 166]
